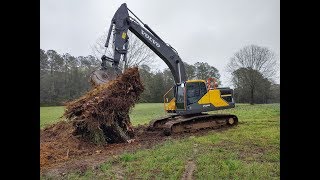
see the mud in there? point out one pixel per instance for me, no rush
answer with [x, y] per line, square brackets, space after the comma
[189, 169]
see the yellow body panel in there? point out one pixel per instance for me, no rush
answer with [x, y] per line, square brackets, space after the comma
[226, 95]
[171, 105]
[197, 80]
[213, 97]
[124, 35]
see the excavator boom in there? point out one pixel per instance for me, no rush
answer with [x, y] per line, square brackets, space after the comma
[120, 24]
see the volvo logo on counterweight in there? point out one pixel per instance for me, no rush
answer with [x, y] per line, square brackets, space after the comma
[150, 38]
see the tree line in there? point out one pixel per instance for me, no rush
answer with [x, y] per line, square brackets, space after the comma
[64, 77]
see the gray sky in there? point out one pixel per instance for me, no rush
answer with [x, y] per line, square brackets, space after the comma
[203, 30]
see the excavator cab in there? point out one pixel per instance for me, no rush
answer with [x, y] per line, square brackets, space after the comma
[196, 96]
[188, 93]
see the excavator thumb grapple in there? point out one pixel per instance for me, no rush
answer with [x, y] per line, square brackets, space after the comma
[102, 76]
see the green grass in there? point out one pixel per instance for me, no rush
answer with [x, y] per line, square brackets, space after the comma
[50, 115]
[145, 112]
[250, 150]
[140, 114]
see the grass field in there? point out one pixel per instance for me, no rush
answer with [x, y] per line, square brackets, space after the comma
[249, 151]
[141, 113]
[50, 115]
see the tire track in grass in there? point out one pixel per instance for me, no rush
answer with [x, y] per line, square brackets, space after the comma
[190, 166]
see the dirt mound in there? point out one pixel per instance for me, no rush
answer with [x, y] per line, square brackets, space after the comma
[102, 115]
[57, 144]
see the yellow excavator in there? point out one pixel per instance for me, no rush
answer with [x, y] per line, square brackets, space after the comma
[191, 98]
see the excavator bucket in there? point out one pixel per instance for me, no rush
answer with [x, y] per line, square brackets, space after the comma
[103, 76]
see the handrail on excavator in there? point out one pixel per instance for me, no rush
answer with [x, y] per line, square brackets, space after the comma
[164, 98]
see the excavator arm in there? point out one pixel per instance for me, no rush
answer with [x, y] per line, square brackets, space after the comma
[120, 24]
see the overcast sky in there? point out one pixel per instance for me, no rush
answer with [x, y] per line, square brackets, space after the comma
[203, 30]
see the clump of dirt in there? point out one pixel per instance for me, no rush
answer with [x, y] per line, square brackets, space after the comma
[102, 115]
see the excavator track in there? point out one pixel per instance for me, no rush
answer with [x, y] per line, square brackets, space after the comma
[177, 124]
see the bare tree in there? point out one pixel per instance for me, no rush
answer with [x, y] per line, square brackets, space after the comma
[205, 71]
[138, 52]
[248, 64]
